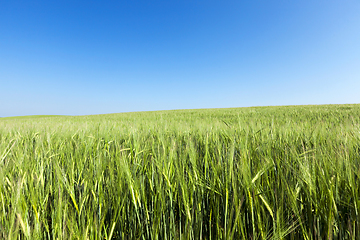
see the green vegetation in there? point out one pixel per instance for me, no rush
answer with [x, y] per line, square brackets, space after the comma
[32, 116]
[287, 172]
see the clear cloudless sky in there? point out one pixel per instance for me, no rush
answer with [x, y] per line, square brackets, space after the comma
[89, 57]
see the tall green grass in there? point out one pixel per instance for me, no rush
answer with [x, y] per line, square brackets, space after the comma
[249, 173]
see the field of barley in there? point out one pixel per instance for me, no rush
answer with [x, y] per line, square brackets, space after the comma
[289, 172]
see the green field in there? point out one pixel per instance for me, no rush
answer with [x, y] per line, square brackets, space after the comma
[289, 172]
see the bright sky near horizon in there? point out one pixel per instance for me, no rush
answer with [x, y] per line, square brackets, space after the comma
[90, 57]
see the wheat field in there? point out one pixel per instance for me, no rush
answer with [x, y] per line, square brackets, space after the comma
[288, 172]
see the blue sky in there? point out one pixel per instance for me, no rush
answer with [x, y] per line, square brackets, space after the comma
[90, 57]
